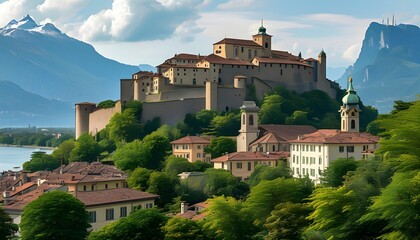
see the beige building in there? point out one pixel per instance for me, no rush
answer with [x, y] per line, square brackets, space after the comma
[217, 81]
[311, 154]
[191, 148]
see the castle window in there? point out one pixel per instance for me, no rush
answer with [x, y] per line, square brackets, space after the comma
[255, 53]
[242, 49]
[243, 119]
[238, 66]
[281, 71]
[353, 124]
[352, 113]
[251, 120]
[220, 70]
[194, 81]
[236, 51]
[271, 65]
[249, 54]
[274, 148]
[266, 45]
[220, 47]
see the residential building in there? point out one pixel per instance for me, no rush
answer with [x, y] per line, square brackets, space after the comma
[191, 148]
[311, 154]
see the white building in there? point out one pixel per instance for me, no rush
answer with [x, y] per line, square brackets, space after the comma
[311, 154]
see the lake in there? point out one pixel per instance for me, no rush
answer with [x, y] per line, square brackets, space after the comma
[11, 157]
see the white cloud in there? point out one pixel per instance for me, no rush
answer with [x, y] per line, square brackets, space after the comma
[15, 9]
[236, 4]
[352, 52]
[130, 20]
[58, 7]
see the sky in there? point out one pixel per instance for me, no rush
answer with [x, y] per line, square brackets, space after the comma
[150, 31]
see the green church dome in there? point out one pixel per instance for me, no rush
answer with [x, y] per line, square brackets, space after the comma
[351, 97]
[262, 30]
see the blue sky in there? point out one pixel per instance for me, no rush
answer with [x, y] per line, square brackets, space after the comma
[150, 31]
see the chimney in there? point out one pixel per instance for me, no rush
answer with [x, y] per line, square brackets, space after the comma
[6, 196]
[61, 169]
[184, 207]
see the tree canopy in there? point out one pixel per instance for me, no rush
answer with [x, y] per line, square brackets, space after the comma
[7, 227]
[220, 146]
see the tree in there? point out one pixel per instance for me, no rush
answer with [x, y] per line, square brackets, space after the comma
[107, 104]
[221, 182]
[268, 194]
[204, 118]
[134, 108]
[270, 112]
[163, 185]
[220, 146]
[85, 149]
[171, 133]
[182, 229]
[298, 117]
[175, 165]
[287, 221]
[333, 176]
[124, 127]
[7, 227]
[140, 224]
[264, 172]
[106, 146]
[159, 147]
[226, 219]
[41, 161]
[138, 178]
[132, 155]
[64, 150]
[152, 125]
[227, 125]
[54, 215]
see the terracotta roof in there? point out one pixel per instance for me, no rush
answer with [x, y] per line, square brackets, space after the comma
[287, 132]
[22, 188]
[116, 195]
[188, 214]
[311, 60]
[187, 56]
[253, 156]
[20, 201]
[284, 55]
[212, 58]
[67, 178]
[191, 140]
[280, 60]
[89, 168]
[201, 204]
[334, 136]
[234, 41]
[267, 138]
[101, 178]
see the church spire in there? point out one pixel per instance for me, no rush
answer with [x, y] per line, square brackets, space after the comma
[350, 110]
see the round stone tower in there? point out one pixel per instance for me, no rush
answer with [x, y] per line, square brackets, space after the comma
[82, 117]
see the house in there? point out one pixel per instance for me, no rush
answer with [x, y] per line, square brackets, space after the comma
[311, 154]
[191, 148]
[194, 212]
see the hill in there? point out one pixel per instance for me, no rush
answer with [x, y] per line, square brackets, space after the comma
[388, 67]
[43, 60]
[21, 108]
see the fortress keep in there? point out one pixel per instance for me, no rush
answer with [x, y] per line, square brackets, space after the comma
[187, 83]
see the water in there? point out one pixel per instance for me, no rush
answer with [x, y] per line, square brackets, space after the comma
[13, 157]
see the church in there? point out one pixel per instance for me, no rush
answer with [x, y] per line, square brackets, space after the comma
[308, 151]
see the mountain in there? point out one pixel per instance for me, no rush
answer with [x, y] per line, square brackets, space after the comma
[388, 66]
[20, 108]
[147, 67]
[43, 60]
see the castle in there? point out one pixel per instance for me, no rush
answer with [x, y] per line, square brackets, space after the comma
[188, 83]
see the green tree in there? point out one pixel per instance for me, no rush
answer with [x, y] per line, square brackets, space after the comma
[152, 125]
[159, 147]
[163, 185]
[204, 118]
[172, 133]
[175, 165]
[7, 227]
[270, 112]
[139, 225]
[64, 150]
[138, 178]
[268, 194]
[182, 229]
[226, 219]
[41, 161]
[227, 125]
[85, 149]
[287, 221]
[334, 175]
[54, 215]
[221, 182]
[132, 155]
[134, 108]
[219, 146]
[124, 127]
[264, 172]
[107, 104]
[298, 118]
[106, 146]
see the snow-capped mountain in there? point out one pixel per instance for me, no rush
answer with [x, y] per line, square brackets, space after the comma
[388, 66]
[43, 60]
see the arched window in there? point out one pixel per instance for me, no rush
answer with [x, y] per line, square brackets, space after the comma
[352, 113]
[344, 123]
[243, 119]
[251, 120]
[353, 124]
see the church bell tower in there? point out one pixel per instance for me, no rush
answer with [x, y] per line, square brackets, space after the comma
[249, 126]
[350, 110]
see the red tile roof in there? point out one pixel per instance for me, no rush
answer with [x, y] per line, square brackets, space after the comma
[234, 41]
[18, 202]
[253, 156]
[267, 138]
[22, 188]
[116, 195]
[212, 58]
[334, 136]
[191, 140]
[187, 56]
[286, 132]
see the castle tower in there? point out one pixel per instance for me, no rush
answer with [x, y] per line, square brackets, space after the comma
[211, 95]
[264, 40]
[82, 117]
[249, 126]
[350, 110]
[322, 70]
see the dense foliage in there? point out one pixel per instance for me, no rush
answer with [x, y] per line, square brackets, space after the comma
[7, 227]
[54, 215]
